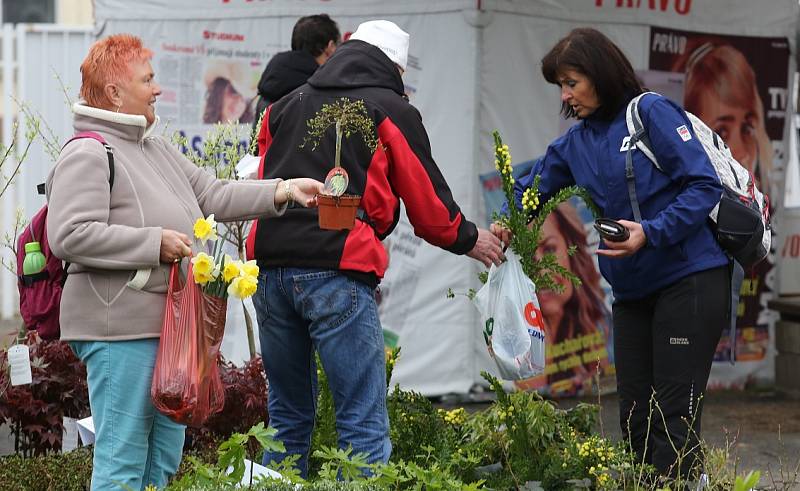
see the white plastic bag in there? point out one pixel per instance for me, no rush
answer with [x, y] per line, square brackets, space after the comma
[247, 168]
[512, 320]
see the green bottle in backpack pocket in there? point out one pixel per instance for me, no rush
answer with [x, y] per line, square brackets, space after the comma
[34, 261]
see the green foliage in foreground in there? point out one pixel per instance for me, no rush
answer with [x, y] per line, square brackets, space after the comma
[521, 441]
[69, 471]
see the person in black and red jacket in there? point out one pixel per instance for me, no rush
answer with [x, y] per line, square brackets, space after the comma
[316, 287]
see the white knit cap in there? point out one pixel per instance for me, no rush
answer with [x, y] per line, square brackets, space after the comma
[387, 37]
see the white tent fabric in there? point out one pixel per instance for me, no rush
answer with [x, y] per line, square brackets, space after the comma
[473, 67]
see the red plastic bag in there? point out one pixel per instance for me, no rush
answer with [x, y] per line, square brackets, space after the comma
[186, 383]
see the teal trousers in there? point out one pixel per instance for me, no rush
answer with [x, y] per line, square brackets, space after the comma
[135, 445]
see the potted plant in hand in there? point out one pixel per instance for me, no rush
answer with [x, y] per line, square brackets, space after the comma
[337, 210]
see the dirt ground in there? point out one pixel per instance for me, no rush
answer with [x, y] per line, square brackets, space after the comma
[762, 429]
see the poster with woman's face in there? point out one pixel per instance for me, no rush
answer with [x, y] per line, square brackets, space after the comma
[738, 86]
[230, 89]
[577, 319]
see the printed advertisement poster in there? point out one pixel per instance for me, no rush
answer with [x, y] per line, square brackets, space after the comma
[738, 86]
[578, 325]
[209, 74]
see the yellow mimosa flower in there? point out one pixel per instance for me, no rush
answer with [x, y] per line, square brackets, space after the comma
[530, 201]
[205, 228]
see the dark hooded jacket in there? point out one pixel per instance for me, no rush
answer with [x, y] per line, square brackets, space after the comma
[285, 72]
[401, 168]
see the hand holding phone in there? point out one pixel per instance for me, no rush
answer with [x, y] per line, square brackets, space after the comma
[611, 230]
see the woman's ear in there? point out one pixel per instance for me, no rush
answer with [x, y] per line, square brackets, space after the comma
[113, 95]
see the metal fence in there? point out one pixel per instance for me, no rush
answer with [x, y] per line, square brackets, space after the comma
[39, 66]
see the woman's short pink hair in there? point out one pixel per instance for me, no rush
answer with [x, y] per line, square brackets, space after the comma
[108, 61]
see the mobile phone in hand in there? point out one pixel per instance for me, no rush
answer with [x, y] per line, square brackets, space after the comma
[611, 230]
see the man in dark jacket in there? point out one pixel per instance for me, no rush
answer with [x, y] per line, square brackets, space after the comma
[314, 39]
[316, 287]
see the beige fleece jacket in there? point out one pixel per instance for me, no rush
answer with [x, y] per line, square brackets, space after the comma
[107, 235]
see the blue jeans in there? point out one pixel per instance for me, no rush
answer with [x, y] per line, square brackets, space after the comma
[303, 310]
[135, 445]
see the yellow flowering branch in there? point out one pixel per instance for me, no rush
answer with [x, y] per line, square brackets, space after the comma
[526, 221]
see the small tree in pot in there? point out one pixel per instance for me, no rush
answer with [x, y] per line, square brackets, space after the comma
[337, 210]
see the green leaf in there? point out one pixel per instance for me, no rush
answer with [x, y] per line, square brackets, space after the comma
[231, 453]
[266, 438]
[749, 481]
[288, 469]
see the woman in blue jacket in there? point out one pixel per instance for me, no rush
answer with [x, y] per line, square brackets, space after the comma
[670, 278]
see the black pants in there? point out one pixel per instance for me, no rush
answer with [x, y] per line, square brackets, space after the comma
[663, 347]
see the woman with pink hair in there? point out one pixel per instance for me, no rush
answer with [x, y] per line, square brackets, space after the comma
[121, 233]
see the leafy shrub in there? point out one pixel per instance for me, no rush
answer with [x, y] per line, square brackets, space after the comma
[35, 411]
[533, 440]
[287, 486]
[336, 464]
[245, 405]
[414, 425]
[231, 454]
[520, 442]
[54, 472]
[527, 444]
[425, 440]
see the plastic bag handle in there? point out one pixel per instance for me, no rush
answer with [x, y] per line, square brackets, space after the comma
[175, 277]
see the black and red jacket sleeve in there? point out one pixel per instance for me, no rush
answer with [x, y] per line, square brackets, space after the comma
[415, 177]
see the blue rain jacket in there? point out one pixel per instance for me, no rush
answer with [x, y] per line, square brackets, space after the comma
[675, 201]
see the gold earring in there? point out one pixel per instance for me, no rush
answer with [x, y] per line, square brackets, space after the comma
[119, 107]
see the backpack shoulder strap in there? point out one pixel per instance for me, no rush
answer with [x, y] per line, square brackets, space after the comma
[638, 139]
[636, 129]
[109, 152]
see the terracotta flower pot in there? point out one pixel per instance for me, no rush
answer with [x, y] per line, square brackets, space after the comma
[337, 212]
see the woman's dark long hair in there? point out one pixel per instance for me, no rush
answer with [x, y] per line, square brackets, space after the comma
[591, 53]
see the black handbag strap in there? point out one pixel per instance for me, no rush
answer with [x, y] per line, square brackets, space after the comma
[737, 278]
